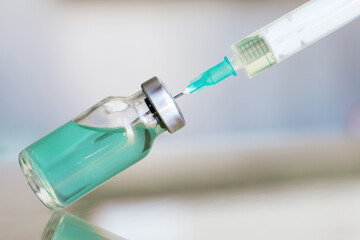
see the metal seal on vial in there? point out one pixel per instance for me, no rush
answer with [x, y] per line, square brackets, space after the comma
[164, 104]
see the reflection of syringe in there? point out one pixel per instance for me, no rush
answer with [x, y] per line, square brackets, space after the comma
[280, 39]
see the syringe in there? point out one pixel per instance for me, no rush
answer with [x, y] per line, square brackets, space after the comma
[279, 40]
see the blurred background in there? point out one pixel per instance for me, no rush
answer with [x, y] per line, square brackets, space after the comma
[274, 157]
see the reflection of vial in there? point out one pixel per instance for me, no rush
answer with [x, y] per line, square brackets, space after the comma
[64, 226]
[108, 138]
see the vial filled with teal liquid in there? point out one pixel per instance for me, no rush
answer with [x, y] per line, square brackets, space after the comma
[85, 152]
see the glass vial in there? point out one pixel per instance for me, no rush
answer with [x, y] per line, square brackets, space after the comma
[90, 149]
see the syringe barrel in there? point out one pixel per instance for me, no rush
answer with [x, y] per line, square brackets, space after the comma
[293, 32]
[308, 24]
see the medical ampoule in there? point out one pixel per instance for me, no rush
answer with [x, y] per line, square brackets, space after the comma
[108, 138]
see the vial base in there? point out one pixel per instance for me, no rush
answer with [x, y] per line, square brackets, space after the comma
[36, 185]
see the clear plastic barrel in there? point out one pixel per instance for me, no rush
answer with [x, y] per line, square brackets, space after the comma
[292, 33]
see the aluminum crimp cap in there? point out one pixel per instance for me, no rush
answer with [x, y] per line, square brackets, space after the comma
[164, 104]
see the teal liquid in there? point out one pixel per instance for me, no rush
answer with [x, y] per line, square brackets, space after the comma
[64, 226]
[72, 228]
[74, 159]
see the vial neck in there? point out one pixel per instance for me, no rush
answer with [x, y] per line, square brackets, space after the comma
[148, 117]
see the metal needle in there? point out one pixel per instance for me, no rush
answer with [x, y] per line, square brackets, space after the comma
[179, 95]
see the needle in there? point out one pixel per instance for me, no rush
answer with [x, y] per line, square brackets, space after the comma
[179, 95]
